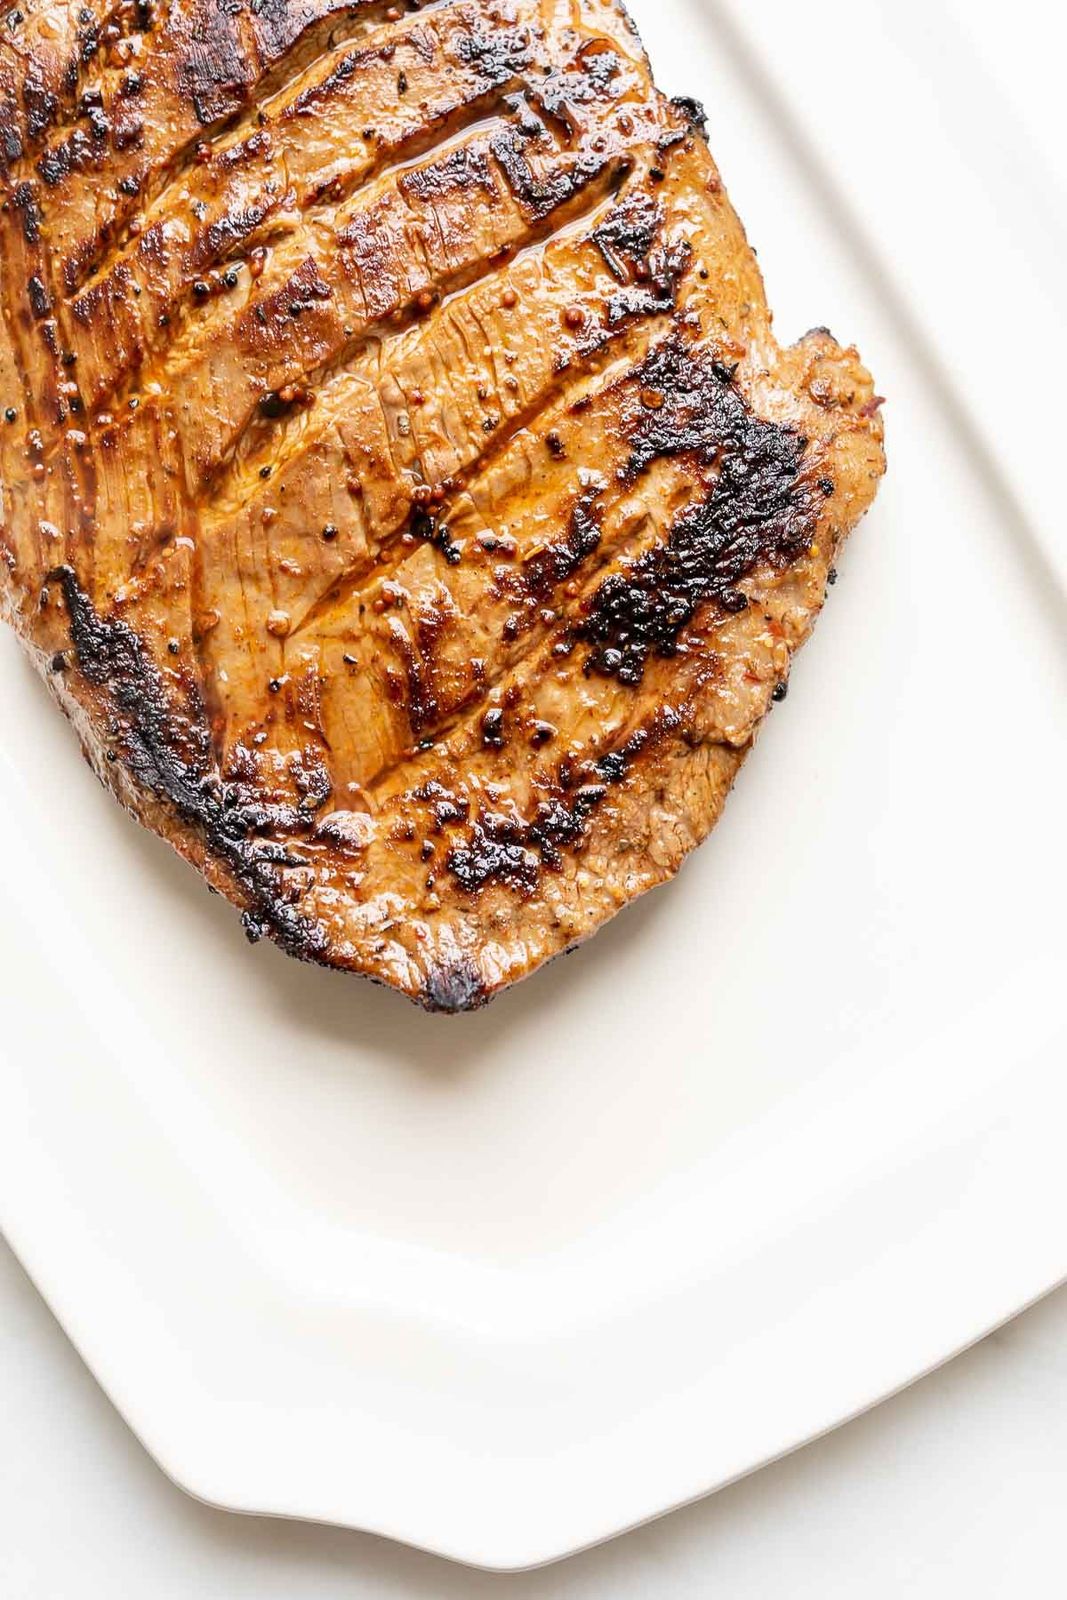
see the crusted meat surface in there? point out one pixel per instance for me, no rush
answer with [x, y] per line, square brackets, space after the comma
[403, 490]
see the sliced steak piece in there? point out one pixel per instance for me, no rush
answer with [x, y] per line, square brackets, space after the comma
[403, 490]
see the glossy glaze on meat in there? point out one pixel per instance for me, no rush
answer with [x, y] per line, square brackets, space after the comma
[402, 487]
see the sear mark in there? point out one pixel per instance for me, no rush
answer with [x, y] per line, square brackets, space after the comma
[495, 54]
[538, 195]
[504, 848]
[627, 233]
[541, 573]
[760, 509]
[465, 168]
[508, 848]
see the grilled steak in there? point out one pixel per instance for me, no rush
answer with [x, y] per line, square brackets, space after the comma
[403, 491]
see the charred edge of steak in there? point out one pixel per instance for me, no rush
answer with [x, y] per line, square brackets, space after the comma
[513, 850]
[761, 508]
[693, 112]
[171, 761]
[452, 986]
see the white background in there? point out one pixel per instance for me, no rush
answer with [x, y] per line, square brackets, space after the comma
[955, 1487]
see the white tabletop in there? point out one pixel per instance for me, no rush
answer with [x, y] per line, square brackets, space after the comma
[954, 1488]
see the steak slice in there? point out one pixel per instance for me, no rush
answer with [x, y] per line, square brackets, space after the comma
[403, 491]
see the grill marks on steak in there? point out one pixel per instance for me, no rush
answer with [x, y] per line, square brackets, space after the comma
[402, 478]
[142, 114]
[303, 152]
[167, 753]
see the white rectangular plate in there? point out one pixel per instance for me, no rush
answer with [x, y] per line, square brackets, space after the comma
[779, 1139]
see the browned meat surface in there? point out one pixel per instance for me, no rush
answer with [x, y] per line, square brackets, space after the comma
[402, 488]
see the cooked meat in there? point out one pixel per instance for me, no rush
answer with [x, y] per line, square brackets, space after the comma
[403, 491]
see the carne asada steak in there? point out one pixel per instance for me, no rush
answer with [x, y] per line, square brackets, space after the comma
[403, 491]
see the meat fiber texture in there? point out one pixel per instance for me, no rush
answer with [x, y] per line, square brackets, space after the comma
[403, 491]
